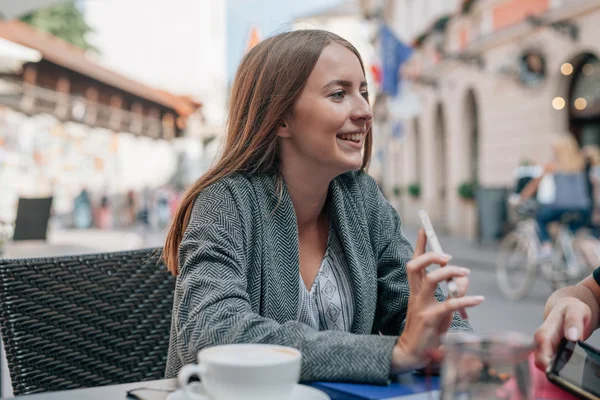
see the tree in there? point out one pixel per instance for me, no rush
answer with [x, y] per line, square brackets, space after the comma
[63, 20]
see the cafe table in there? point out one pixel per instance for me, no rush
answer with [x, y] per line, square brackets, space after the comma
[411, 388]
[163, 387]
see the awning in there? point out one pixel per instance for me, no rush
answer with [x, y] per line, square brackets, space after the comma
[13, 56]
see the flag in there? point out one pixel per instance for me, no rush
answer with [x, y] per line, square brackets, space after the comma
[376, 73]
[253, 38]
[393, 54]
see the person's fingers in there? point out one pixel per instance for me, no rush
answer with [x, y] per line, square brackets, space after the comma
[434, 278]
[575, 317]
[544, 350]
[442, 309]
[415, 277]
[547, 338]
[445, 323]
[418, 264]
[463, 285]
[421, 243]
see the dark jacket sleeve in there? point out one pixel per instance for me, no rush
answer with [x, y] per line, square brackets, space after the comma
[393, 251]
[212, 305]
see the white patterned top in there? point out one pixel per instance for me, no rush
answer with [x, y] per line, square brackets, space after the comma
[328, 305]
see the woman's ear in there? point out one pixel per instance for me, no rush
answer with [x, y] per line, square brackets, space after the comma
[284, 130]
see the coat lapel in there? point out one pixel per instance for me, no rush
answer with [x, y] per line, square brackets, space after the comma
[348, 216]
[281, 276]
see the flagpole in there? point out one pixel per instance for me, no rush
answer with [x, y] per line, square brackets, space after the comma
[382, 108]
[386, 171]
[393, 53]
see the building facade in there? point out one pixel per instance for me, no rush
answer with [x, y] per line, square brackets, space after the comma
[68, 124]
[496, 80]
[345, 19]
[179, 46]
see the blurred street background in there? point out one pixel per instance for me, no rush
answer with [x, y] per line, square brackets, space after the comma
[110, 109]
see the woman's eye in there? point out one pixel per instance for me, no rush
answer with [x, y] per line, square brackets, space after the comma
[338, 95]
[365, 95]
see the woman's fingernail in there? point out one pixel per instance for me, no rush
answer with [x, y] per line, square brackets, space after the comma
[465, 271]
[479, 298]
[573, 334]
[448, 257]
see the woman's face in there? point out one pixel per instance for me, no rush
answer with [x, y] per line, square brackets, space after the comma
[330, 119]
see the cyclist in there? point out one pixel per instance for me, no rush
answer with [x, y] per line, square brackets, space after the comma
[561, 188]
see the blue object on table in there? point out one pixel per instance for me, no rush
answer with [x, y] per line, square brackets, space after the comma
[406, 385]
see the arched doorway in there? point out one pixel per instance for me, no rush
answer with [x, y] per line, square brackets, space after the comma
[441, 169]
[584, 100]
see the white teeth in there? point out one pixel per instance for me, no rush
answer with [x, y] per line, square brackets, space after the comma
[355, 137]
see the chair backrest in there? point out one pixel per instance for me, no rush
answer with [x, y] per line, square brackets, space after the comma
[82, 321]
[32, 218]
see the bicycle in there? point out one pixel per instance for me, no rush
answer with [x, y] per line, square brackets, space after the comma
[519, 252]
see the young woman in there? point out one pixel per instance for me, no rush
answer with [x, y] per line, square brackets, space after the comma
[286, 240]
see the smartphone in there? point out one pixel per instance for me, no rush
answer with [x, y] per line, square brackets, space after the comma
[576, 368]
[435, 246]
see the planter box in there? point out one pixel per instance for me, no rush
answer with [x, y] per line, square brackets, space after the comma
[470, 220]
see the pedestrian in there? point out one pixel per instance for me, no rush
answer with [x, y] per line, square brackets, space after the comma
[561, 188]
[104, 213]
[82, 210]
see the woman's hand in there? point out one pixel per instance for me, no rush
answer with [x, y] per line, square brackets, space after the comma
[570, 318]
[428, 319]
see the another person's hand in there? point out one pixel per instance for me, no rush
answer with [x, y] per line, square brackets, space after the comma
[570, 318]
[427, 319]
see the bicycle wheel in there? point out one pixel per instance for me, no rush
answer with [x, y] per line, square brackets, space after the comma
[515, 267]
[559, 275]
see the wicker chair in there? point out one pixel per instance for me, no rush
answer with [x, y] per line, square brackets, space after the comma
[81, 321]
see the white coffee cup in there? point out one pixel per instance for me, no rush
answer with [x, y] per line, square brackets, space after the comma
[243, 372]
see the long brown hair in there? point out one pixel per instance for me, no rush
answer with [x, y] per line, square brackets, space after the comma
[268, 82]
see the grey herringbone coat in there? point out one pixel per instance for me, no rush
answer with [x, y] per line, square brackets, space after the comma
[239, 277]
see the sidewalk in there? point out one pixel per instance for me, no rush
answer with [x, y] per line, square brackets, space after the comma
[82, 241]
[85, 241]
[464, 252]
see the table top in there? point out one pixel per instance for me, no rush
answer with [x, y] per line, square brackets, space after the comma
[116, 392]
[166, 386]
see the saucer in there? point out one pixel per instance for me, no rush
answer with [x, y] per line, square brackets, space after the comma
[300, 392]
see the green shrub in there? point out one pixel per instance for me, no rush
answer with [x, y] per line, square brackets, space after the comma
[467, 190]
[414, 189]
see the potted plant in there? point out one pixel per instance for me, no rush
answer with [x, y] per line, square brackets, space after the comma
[397, 190]
[414, 189]
[467, 190]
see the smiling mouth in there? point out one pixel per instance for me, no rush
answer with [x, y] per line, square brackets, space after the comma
[351, 137]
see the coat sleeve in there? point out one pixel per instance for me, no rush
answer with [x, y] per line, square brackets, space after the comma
[212, 305]
[393, 251]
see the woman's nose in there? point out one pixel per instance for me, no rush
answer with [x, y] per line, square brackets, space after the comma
[362, 110]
